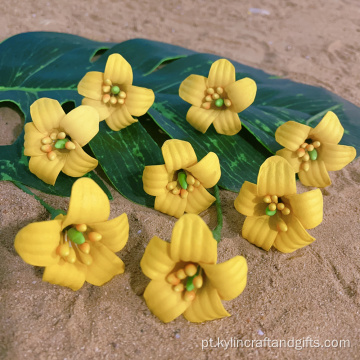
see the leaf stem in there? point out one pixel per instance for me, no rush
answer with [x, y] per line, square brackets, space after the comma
[217, 231]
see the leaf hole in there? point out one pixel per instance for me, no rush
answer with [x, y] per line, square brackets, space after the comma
[157, 134]
[12, 121]
[98, 53]
[162, 65]
[68, 106]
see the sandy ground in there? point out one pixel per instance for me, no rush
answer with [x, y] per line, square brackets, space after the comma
[314, 292]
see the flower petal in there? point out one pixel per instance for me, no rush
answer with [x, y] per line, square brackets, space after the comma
[241, 94]
[120, 118]
[156, 262]
[329, 130]
[36, 243]
[292, 134]
[163, 301]
[193, 241]
[294, 238]
[206, 305]
[193, 89]
[222, 73]
[276, 177]
[260, 231]
[291, 157]
[317, 175]
[78, 162]
[307, 207]
[138, 99]
[45, 169]
[81, 124]
[227, 122]
[336, 157]
[207, 170]
[114, 232]
[32, 139]
[198, 200]
[228, 278]
[170, 204]
[66, 274]
[46, 114]
[104, 110]
[118, 70]
[178, 154]
[105, 265]
[91, 84]
[88, 204]
[200, 118]
[248, 202]
[155, 178]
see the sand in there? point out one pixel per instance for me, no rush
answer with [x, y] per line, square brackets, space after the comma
[312, 293]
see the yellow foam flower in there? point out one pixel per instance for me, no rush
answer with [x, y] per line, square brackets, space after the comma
[55, 140]
[79, 246]
[217, 99]
[276, 215]
[180, 185]
[185, 278]
[313, 152]
[112, 94]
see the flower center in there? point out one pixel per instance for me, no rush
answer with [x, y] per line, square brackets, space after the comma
[187, 280]
[75, 244]
[56, 140]
[183, 183]
[112, 93]
[215, 98]
[307, 151]
[275, 205]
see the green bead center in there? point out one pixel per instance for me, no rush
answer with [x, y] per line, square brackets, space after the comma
[270, 212]
[313, 154]
[182, 180]
[115, 89]
[75, 236]
[60, 144]
[219, 102]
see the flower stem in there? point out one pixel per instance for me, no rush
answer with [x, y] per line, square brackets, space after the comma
[53, 212]
[217, 231]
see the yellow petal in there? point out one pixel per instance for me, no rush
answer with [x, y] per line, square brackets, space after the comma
[120, 118]
[45, 169]
[115, 232]
[198, 200]
[200, 118]
[276, 177]
[193, 241]
[138, 99]
[228, 278]
[104, 110]
[88, 204]
[260, 231]
[66, 274]
[155, 178]
[336, 157]
[292, 134]
[78, 162]
[36, 243]
[91, 84]
[105, 265]
[178, 154]
[329, 130]
[206, 305]
[32, 139]
[118, 70]
[163, 301]
[81, 124]
[170, 204]
[46, 114]
[227, 122]
[156, 262]
[248, 202]
[193, 89]
[241, 94]
[222, 73]
[317, 175]
[291, 157]
[294, 238]
[307, 207]
[207, 170]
